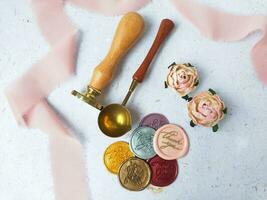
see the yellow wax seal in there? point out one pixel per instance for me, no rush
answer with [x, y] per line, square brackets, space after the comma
[115, 155]
[134, 174]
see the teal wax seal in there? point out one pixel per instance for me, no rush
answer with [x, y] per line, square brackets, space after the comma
[141, 142]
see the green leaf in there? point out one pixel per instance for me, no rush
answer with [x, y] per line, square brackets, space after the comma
[172, 65]
[166, 85]
[189, 64]
[225, 110]
[192, 124]
[185, 97]
[197, 83]
[212, 91]
[215, 128]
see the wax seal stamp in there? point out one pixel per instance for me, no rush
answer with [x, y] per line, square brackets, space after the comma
[134, 174]
[115, 155]
[164, 172]
[171, 142]
[141, 142]
[206, 109]
[128, 31]
[154, 120]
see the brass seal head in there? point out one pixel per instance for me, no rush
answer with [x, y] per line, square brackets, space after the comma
[89, 97]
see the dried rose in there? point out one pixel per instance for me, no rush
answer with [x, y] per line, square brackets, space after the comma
[183, 78]
[206, 109]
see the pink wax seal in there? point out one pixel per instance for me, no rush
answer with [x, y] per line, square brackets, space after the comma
[171, 142]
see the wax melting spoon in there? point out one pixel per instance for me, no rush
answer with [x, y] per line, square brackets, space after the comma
[115, 120]
[127, 33]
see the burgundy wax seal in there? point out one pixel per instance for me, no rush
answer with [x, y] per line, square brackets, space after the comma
[164, 172]
[154, 120]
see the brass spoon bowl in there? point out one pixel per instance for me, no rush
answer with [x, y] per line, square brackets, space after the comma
[115, 120]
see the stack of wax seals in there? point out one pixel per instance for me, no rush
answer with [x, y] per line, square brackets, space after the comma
[151, 155]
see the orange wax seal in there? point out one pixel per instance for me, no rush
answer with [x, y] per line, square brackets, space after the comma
[115, 155]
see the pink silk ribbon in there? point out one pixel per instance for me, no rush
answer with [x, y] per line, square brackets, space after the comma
[219, 25]
[27, 95]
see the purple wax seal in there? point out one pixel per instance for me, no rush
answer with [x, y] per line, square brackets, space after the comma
[154, 120]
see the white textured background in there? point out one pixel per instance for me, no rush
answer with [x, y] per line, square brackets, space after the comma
[230, 165]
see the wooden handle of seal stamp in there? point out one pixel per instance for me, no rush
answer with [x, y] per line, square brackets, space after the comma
[128, 31]
[165, 28]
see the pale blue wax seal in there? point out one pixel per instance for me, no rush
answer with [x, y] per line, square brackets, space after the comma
[141, 142]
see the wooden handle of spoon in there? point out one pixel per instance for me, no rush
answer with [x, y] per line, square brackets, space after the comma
[128, 31]
[165, 28]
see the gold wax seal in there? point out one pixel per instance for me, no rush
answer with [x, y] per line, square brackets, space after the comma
[134, 174]
[115, 155]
